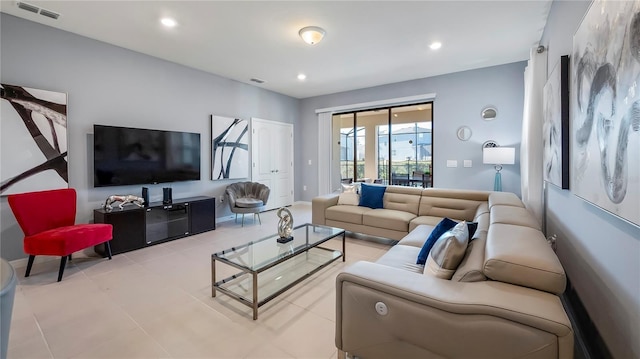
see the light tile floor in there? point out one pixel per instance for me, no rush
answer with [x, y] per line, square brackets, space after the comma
[156, 303]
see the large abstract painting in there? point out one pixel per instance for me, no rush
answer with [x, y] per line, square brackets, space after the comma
[34, 140]
[229, 148]
[605, 108]
[555, 129]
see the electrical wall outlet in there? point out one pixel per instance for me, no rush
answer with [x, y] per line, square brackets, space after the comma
[452, 163]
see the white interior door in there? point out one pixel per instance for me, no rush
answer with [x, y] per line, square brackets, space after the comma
[272, 159]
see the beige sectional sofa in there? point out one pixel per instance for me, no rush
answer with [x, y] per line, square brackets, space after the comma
[405, 208]
[502, 301]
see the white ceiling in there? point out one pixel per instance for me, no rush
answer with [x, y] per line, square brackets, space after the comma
[368, 43]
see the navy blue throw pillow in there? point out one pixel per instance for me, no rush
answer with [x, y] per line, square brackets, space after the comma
[472, 226]
[371, 195]
[444, 225]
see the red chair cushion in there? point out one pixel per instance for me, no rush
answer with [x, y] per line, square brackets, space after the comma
[66, 240]
[40, 211]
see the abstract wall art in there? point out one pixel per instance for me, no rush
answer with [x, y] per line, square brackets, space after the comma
[605, 108]
[555, 129]
[229, 148]
[33, 140]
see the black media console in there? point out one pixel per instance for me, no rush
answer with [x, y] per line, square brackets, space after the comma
[135, 227]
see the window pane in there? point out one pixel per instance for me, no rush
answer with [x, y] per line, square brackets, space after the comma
[411, 143]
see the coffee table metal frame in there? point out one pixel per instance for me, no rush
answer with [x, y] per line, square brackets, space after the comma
[254, 303]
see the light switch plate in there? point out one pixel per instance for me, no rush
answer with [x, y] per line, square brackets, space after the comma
[452, 163]
[468, 163]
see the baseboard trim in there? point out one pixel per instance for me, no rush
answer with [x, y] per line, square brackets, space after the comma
[588, 343]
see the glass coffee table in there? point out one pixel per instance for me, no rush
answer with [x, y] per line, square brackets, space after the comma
[268, 268]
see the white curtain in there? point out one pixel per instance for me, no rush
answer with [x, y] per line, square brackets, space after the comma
[324, 153]
[535, 76]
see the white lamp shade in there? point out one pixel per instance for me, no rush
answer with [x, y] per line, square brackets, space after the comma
[499, 155]
[311, 34]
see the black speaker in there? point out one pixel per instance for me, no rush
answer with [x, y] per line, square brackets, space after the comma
[145, 196]
[166, 195]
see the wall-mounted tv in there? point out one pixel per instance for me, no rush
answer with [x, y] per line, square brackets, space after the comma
[127, 156]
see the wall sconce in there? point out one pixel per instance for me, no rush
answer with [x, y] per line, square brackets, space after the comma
[498, 156]
[311, 34]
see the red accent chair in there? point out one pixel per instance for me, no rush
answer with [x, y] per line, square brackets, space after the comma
[47, 219]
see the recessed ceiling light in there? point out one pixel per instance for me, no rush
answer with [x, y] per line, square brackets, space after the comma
[168, 22]
[435, 45]
[302, 76]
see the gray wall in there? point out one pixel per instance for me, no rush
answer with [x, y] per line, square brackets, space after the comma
[460, 98]
[110, 85]
[600, 252]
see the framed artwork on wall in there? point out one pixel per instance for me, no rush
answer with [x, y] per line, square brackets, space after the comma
[33, 133]
[605, 108]
[555, 129]
[229, 148]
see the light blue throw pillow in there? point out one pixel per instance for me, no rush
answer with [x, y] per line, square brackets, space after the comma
[444, 225]
[371, 195]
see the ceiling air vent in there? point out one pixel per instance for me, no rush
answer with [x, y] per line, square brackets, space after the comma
[259, 81]
[37, 10]
[49, 13]
[32, 8]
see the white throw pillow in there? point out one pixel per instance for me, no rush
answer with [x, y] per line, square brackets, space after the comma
[351, 188]
[349, 198]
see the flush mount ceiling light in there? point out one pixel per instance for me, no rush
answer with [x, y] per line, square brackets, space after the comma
[168, 22]
[311, 34]
[302, 77]
[435, 45]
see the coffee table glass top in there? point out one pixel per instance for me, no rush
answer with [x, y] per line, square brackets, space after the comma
[258, 255]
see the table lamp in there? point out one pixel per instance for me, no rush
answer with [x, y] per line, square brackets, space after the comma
[498, 156]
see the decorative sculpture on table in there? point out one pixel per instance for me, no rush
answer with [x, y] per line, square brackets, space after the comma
[138, 201]
[285, 225]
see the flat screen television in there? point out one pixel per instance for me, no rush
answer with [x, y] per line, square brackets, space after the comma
[128, 156]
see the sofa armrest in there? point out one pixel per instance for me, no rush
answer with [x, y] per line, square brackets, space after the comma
[320, 204]
[426, 312]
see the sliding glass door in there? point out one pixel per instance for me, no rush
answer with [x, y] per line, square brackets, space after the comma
[389, 146]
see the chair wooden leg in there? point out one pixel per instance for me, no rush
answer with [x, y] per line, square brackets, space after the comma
[29, 265]
[259, 220]
[108, 246]
[63, 262]
[70, 257]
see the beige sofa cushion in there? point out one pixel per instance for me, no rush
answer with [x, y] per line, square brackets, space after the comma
[520, 255]
[403, 257]
[448, 252]
[350, 214]
[417, 236]
[424, 220]
[402, 200]
[505, 199]
[482, 208]
[388, 218]
[460, 209]
[513, 215]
